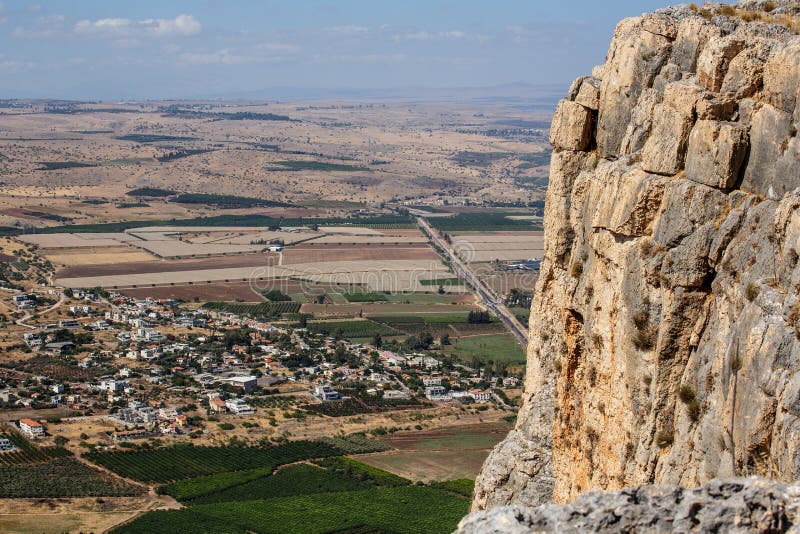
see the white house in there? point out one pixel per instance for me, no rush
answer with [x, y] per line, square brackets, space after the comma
[481, 395]
[32, 428]
[238, 406]
[326, 393]
[437, 393]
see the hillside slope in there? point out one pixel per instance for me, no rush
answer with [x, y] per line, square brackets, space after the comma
[664, 329]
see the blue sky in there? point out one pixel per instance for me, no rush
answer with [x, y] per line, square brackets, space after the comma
[103, 49]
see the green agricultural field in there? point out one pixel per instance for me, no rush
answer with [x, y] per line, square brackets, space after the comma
[522, 314]
[150, 192]
[482, 222]
[295, 165]
[365, 297]
[263, 310]
[348, 329]
[60, 165]
[443, 282]
[185, 461]
[301, 479]
[462, 486]
[380, 222]
[496, 347]
[61, 477]
[410, 509]
[152, 138]
[434, 317]
[420, 298]
[227, 201]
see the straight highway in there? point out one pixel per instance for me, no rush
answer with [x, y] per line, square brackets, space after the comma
[490, 300]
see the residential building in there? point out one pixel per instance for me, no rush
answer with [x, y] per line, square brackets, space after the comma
[126, 435]
[245, 384]
[238, 406]
[481, 395]
[326, 393]
[32, 428]
[437, 393]
[217, 405]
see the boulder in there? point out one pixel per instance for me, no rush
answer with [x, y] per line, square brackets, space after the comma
[716, 152]
[572, 126]
[735, 505]
[589, 93]
[770, 129]
[665, 149]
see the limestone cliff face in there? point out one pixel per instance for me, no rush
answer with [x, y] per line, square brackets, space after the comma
[664, 330]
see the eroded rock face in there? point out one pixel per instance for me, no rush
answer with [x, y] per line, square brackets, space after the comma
[664, 328]
[732, 505]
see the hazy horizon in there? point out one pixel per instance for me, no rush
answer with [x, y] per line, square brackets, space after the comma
[95, 50]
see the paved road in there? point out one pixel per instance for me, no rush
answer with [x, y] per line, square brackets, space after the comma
[490, 300]
[28, 315]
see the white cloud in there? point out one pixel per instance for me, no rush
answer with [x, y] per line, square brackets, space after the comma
[348, 30]
[360, 58]
[180, 26]
[10, 65]
[283, 48]
[229, 56]
[118, 26]
[429, 36]
[43, 27]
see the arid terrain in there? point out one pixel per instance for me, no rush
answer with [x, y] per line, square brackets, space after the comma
[78, 161]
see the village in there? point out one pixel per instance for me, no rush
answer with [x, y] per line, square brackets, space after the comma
[158, 368]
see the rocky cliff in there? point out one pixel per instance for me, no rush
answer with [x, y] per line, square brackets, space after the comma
[664, 328]
[723, 505]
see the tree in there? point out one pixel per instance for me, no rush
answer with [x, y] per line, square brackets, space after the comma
[445, 339]
[377, 341]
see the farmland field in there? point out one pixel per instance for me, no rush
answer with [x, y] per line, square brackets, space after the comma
[307, 253]
[61, 477]
[184, 461]
[498, 347]
[404, 509]
[230, 291]
[441, 454]
[300, 479]
[355, 328]
[482, 222]
[263, 310]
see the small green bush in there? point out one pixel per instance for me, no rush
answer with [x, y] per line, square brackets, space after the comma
[751, 292]
[664, 439]
[686, 394]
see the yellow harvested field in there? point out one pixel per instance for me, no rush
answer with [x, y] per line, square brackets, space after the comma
[81, 514]
[240, 238]
[169, 247]
[503, 247]
[70, 240]
[368, 240]
[502, 255]
[349, 230]
[98, 256]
